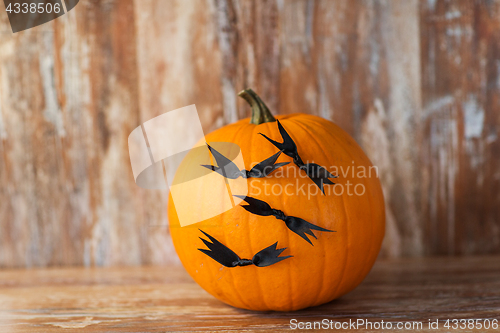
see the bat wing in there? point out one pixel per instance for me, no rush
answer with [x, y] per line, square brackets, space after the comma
[289, 146]
[321, 171]
[319, 175]
[228, 168]
[213, 168]
[256, 206]
[278, 165]
[301, 227]
[319, 183]
[288, 142]
[219, 252]
[265, 167]
[268, 256]
[275, 143]
[328, 181]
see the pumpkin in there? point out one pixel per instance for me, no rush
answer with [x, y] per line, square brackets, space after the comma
[315, 273]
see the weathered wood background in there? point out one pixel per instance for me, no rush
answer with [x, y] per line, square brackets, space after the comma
[417, 83]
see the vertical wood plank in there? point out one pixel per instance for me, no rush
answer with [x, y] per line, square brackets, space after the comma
[357, 63]
[179, 64]
[248, 41]
[460, 90]
[69, 101]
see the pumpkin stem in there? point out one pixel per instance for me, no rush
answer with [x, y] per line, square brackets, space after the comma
[260, 112]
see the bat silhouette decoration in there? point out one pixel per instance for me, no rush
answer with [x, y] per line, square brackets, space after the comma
[318, 174]
[228, 169]
[297, 225]
[225, 256]
[288, 146]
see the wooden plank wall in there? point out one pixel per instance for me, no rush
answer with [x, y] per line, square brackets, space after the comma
[416, 83]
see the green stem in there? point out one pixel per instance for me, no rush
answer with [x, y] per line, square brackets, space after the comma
[260, 112]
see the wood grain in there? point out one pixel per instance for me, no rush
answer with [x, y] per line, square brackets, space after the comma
[459, 124]
[416, 83]
[165, 299]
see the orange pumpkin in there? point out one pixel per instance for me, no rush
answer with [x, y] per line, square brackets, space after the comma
[335, 264]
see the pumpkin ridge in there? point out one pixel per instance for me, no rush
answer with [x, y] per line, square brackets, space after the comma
[289, 264]
[219, 274]
[236, 290]
[342, 275]
[348, 221]
[252, 247]
[368, 256]
[290, 240]
[308, 131]
[184, 247]
[371, 230]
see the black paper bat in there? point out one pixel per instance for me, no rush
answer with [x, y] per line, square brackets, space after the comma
[299, 226]
[228, 169]
[225, 256]
[318, 174]
[288, 146]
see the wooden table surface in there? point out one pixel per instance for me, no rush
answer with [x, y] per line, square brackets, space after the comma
[165, 299]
